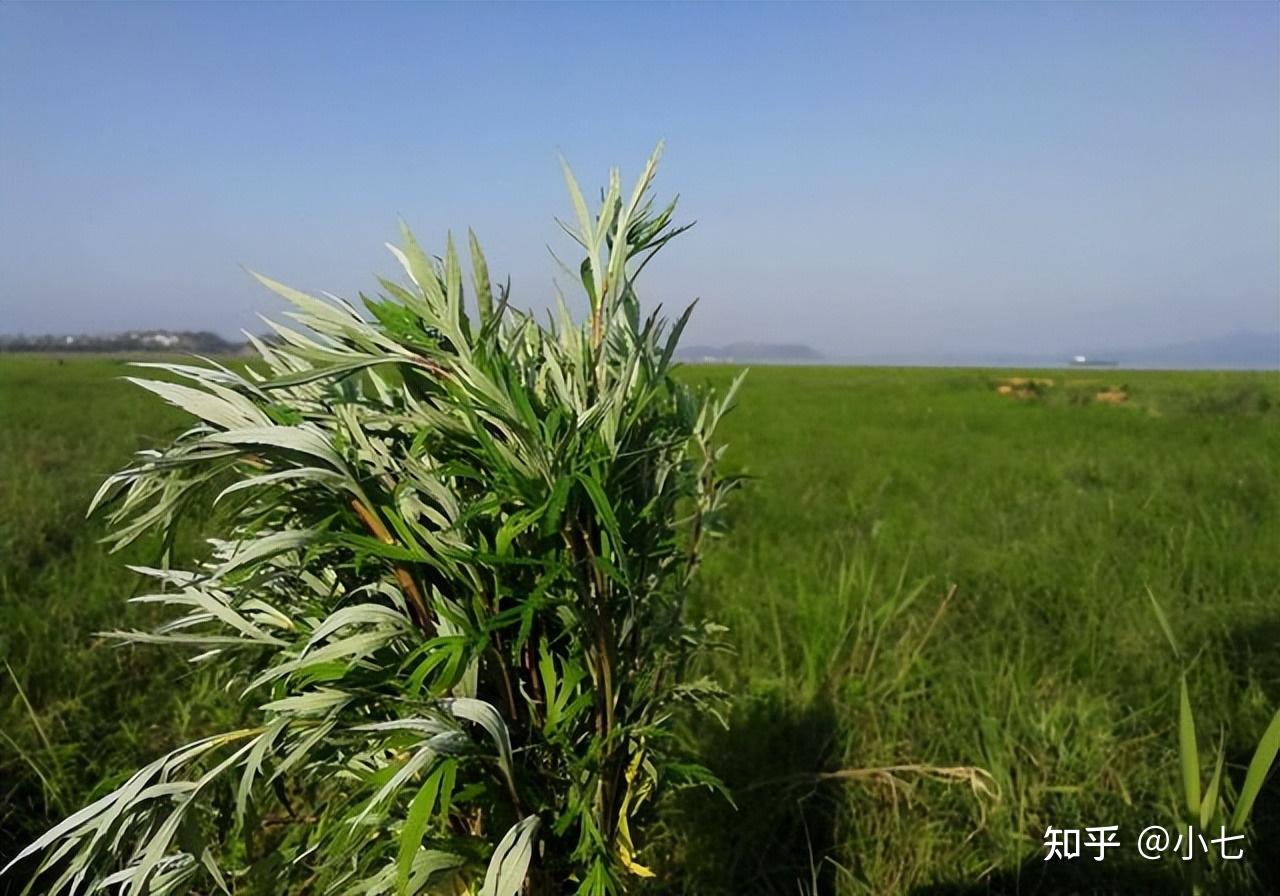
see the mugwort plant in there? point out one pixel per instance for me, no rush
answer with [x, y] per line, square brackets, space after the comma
[449, 582]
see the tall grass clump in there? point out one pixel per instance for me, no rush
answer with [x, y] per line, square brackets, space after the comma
[449, 586]
[1210, 809]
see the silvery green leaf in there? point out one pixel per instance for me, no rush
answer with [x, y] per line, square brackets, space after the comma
[484, 714]
[510, 862]
[267, 546]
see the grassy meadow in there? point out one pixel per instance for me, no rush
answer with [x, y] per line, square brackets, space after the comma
[937, 596]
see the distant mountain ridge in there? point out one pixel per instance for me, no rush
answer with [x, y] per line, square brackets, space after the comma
[1248, 348]
[1243, 350]
[761, 352]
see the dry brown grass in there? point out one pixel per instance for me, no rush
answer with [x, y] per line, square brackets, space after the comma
[1023, 387]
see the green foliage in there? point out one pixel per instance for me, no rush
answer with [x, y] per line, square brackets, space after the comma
[450, 580]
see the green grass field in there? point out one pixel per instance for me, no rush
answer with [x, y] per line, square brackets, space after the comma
[937, 596]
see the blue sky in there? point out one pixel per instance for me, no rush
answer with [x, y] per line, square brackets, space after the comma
[869, 179]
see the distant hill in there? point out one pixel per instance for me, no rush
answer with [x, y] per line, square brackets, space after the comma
[758, 352]
[201, 342]
[1250, 350]
[1244, 349]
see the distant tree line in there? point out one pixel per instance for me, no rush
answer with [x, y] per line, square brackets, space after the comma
[202, 342]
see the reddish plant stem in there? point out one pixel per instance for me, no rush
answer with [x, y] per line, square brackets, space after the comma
[412, 594]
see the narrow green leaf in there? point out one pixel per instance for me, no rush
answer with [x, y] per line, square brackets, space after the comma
[421, 271]
[553, 513]
[480, 278]
[1263, 758]
[415, 825]
[601, 501]
[1189, 752]
[333, 371]
[673, 341]
[1209, 805]
[453, 284]
[1164, 622]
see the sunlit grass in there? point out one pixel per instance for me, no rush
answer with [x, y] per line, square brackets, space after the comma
[1003, 550]
[1045, 668]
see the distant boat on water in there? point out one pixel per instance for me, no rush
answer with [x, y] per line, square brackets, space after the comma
[1085, 361]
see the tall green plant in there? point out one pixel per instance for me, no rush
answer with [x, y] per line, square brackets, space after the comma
[450, 589]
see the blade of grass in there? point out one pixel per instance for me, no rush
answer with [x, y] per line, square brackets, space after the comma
[1263, 758]
[1189, 752]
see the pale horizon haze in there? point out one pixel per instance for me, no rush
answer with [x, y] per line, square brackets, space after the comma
[867, 179]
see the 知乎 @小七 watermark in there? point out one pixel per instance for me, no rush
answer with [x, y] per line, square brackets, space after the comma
[1155, 842]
